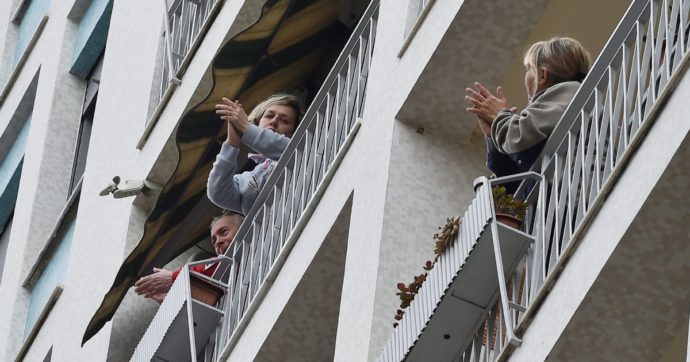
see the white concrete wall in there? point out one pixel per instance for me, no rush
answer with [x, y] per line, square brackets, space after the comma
[102, 222]
[430, 180]
[47, 165]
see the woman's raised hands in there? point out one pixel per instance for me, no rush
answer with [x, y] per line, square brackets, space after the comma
[485, 105]
[233, 113]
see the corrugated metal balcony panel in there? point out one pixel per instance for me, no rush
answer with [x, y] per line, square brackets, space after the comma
[162, 321]
[459, 289]
[439, 280]
[168, 335]
[176, 344]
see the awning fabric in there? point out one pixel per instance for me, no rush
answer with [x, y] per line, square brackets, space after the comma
[284, 47]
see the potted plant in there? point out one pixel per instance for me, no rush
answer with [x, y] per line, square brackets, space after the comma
[509, 210]
[204, 291]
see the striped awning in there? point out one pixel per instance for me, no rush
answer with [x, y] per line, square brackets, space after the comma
[286, 46]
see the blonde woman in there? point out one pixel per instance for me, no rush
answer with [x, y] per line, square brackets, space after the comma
[553, 71]
[266, 130]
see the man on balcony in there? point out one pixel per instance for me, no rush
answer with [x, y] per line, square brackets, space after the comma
[223, 230]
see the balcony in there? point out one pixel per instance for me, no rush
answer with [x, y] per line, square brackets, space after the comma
[286, 202]
[186, 23]
[185, 325]
[468, 308]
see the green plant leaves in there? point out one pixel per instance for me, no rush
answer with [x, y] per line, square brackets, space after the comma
[442, 241]
[507, 204]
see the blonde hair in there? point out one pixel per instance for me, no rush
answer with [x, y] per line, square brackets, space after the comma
[564, 58]
[281, 99]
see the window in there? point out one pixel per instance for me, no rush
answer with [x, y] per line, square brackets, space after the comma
[52, 275]
[91, 37]
[29, 18]
[5, 231]
[10, 172]
[416, 12]
[85, 125]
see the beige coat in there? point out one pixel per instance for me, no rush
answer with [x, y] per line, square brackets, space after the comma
[513, 132]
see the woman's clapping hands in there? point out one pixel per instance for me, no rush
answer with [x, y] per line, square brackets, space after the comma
[233, 113]
[485, 105]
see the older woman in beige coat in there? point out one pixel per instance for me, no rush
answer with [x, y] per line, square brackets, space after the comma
[553, 71]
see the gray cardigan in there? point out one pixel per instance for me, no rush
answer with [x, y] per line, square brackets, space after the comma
[513, 132]
[238, 192]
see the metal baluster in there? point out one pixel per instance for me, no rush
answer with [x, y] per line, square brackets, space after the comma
[284, 217]
[304, 196]
[249, 268]
[655, 52]
[675, 31]
[550, 215]
[318, 170]
[684, 19]
[554, 237]
[313, 157]
[667, 43]
[637, 121]
[326, 107]
[271, 232]
[336, 120]
[297, 179]
[571, 179]
[168, 44]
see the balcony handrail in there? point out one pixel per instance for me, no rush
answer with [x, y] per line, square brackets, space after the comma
[597, 134]
[184, 22]
[190, 20]
[300, 177]
[610, 113]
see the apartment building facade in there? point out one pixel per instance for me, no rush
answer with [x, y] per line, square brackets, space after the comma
[108, 134]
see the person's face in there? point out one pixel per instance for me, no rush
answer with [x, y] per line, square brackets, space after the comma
[530, 81]
[281, 119]
[535, 81]
[222, 233]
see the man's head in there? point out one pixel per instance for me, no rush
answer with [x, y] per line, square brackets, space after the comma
[223, 230]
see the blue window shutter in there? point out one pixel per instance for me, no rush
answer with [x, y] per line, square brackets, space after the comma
[10, 171]
[91, 37]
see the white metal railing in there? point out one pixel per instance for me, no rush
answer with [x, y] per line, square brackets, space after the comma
[615, 104]
[184, 22]
[180, 317]
[295, 186]
[593, 139]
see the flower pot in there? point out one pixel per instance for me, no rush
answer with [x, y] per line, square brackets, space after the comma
[509, 220]
[204, 291]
